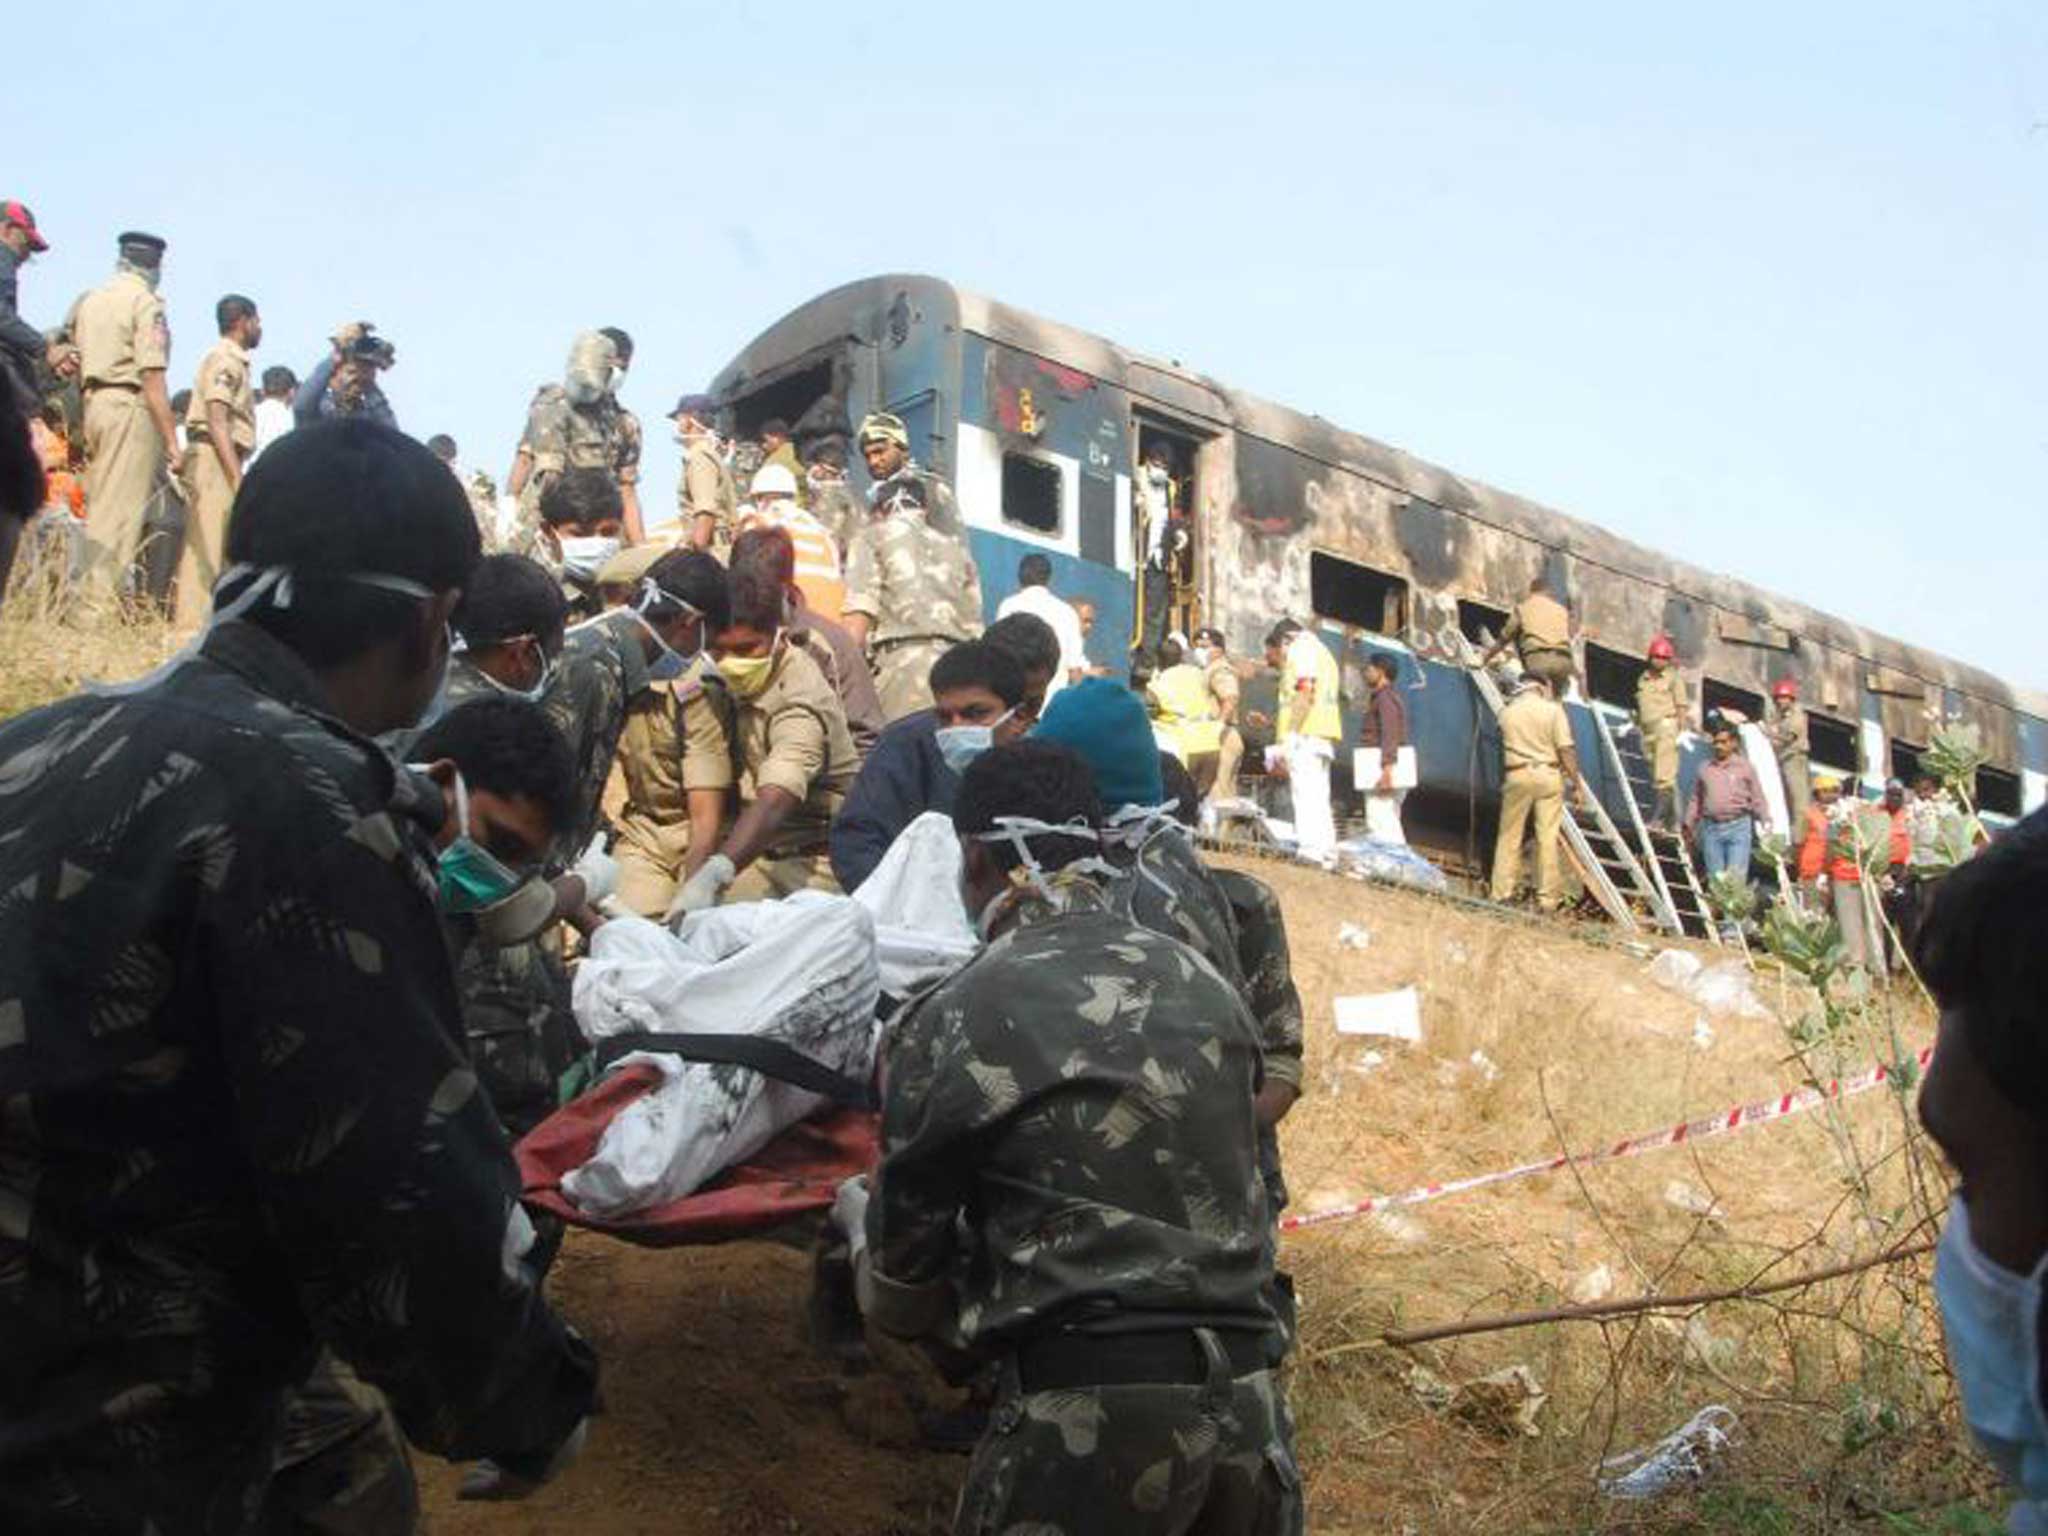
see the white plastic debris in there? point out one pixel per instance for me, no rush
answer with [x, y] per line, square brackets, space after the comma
[1596, 1284]
[1405, 1231]
[1482, 1065]
[1675, 969]
[1702, 1033]
[1680, 1458]
[1352, 936]
[1723, 990]
[1690, 1200]
[1394, 1015]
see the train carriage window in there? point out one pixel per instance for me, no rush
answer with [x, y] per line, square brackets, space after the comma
[1906, 762]
[1350, 593]
[1832, 743]
[1032, 493]
[1611, 676]
[1481, 623]
[1998, 792]
[1717, 696]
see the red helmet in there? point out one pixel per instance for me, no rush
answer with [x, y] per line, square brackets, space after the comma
[1660, 649]
[1785, 688]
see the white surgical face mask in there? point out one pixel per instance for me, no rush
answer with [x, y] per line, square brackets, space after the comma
[583, 558]
[1991, 1317]
[960, 745]
[1202, 655]
[671, 663]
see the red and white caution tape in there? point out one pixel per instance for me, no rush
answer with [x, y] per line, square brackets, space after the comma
[1740, 1118]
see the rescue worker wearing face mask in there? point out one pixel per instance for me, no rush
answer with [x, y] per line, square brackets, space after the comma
[978, 701]
[272, 872]
[793, 751]
[582, 527]
[1983, 952]
[772, 552]
[579, 424]
[706, 498]
[675, 752]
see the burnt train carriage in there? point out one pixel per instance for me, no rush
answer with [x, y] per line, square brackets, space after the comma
[1040, 428]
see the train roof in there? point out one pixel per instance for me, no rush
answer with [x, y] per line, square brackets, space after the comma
[843, 310]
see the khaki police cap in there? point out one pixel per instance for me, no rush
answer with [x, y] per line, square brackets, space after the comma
[629, 565]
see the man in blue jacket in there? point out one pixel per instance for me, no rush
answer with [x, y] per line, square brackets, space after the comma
[985, 692]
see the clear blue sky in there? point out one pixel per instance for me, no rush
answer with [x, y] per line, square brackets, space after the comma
[1762, 285]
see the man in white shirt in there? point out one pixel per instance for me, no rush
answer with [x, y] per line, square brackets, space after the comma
[274, 410]
[1034, 595]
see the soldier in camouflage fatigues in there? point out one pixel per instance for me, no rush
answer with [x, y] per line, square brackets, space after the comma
[236, 1118]
[833, 501]
[1080, 1096]
[912, 589]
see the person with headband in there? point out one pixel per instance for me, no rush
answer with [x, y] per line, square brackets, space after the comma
[580, 424]
[235, 1035]
[675, 744]
[912, 588]
[792, 749]
[1083, 1077]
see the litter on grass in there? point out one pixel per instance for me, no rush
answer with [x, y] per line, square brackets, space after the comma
[1395, 1015]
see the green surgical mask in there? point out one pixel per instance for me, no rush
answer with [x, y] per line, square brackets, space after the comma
[472, 877]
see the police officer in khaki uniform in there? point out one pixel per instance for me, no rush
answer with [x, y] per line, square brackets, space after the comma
[675, 750]
[124, 346]
[706, 497]
[1540, 629]
[794, 752]
[1538, 762]
[220, 434]
[1661, 713]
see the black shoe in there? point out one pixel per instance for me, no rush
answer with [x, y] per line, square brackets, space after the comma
[954, 1430]
[835, 1327]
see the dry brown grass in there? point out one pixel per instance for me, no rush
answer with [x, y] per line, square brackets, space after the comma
[1840, 1389]
[54, 639]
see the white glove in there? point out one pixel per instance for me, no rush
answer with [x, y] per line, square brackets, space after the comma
[508, 515]
[598, 871]
[703, 888]
[487, 1480]
[850, 1214]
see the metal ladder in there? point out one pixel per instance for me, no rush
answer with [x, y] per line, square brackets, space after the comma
[1611, 872]
[1682, 908]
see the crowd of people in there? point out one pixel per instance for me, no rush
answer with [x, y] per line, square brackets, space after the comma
[304, 902]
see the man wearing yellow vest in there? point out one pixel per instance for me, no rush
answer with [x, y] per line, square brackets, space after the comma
[1309, 729]
[1179, 700]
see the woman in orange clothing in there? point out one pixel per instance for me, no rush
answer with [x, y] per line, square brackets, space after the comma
[1825, 854]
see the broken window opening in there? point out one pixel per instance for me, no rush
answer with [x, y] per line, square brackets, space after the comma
[1357, 595]
[1832, 744]
[1481, 623]
[1717, 697]
[1906, 762]
[1998, 791]
[803, 401]
[1033, 493]
[1611, 676]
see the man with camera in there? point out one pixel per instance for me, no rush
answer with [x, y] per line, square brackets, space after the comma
[344, 383]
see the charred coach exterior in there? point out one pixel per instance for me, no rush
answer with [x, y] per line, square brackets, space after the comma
[1039, 427]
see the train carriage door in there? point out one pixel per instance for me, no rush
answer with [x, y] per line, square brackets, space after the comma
[1166, 548]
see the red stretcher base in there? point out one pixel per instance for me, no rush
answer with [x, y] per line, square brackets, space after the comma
[794, 1175]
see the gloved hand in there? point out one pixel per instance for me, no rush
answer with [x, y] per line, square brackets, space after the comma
[850, 1214]
[598, 871]
[497, 1480]
[703, 888]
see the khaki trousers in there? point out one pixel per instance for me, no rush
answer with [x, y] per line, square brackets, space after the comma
[1660, 745]
[651, 856]
[1525, 792]
[208, 496]
[1554, 667]
[1798, 774]
[1229, 756]
[124, 468]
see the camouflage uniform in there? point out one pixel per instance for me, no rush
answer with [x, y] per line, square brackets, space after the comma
[603, 668]
[911, 574]
[562, 436]
[1167, 888]
[238, 1122]
[1274, 1000]
[835, 504]
[1081, 1094]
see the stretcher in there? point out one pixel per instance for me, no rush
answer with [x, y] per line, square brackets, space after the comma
[795, 1175]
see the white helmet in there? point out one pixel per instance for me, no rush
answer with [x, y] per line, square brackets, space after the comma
[772, 480]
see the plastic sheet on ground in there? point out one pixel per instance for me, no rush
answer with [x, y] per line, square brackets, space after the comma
[1395, 863]
[1680, 1458]
[1395, 1015]
[801, 971]
[1722, 990]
